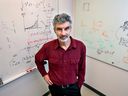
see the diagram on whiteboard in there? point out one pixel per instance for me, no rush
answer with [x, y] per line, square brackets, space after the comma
[25, 25]
[103, 26]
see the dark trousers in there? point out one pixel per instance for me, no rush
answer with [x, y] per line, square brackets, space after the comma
[68, 90]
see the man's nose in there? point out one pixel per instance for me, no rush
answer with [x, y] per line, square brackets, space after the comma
[63, 32]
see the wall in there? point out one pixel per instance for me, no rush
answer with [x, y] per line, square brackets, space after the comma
[94, 19]
[107, 79]
[23, 30]
[32, 84]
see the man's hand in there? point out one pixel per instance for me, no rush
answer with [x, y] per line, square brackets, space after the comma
[47, 79]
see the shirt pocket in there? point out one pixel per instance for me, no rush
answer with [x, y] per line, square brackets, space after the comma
[74, 61]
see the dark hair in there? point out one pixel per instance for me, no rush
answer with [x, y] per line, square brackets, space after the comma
[62, 18]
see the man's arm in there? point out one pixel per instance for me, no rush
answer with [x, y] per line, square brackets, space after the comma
[82, 67]
[39, 60]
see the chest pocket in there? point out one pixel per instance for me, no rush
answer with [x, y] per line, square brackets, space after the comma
[74, 61]
[73, 64]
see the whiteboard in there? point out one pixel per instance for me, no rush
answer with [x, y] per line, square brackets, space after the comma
[103, 26]
[25, 25]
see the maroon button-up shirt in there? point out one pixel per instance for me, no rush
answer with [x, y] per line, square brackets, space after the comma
[65, 67]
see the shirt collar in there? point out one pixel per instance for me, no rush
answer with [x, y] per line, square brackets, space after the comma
[72, 45]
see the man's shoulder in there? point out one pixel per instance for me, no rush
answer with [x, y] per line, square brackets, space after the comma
[80, 44]
[78, 41]
[51, 42]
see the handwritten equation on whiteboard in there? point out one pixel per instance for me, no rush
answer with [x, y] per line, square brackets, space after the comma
[25, 25]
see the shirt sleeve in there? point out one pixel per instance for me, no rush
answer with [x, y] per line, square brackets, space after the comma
[39, 60]
[82, 67]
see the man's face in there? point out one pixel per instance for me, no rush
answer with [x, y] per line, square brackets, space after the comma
[63, 31]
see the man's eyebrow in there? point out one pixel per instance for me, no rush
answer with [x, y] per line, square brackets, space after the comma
[67, 27]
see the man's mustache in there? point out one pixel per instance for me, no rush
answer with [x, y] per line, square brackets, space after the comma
[63, 37]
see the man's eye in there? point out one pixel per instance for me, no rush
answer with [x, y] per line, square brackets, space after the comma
[59, 29]
[67, 28]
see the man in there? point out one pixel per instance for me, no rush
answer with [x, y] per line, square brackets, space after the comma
[66, 58]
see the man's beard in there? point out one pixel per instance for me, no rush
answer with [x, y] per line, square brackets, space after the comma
[64, 38]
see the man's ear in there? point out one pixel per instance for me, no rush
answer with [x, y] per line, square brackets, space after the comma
[54, 29]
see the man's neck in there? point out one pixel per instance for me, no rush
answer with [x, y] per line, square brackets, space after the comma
[66, 44]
